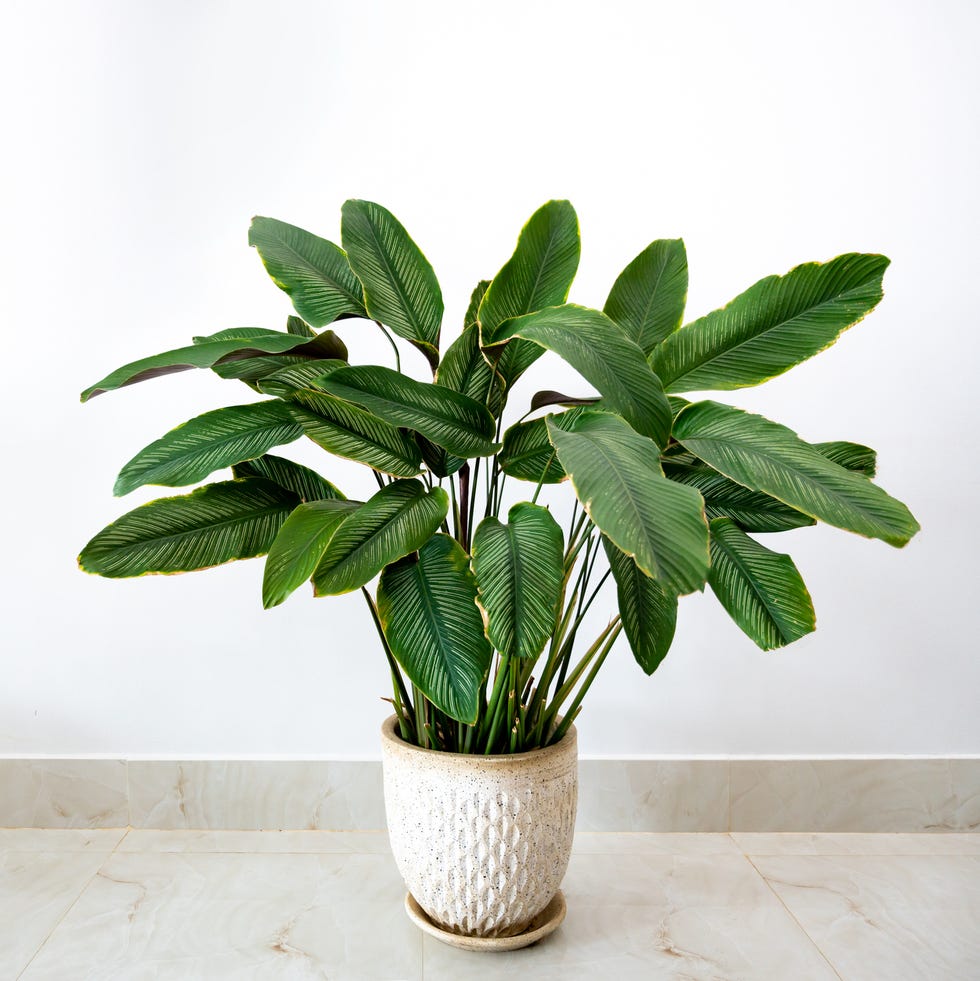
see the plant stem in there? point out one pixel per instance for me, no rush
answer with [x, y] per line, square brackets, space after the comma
[402, 702]
[544, 473]
[394, 346]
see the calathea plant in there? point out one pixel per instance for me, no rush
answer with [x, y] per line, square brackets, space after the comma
[481, 597]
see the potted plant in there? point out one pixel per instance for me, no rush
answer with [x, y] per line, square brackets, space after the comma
[482, 595]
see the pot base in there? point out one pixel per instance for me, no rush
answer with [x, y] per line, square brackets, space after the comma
[547, 921]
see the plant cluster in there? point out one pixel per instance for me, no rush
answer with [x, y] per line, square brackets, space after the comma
[479, 617]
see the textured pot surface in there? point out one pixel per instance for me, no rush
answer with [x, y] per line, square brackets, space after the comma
[482, 842]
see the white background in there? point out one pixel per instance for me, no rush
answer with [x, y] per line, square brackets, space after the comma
[141, 137]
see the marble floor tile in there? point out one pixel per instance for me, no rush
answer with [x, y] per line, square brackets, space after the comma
[652, 843]
[846, 843]
[258, 842]
[60, 839]
[37, 888]
[175, 916]
[644, 917]
[904, 918]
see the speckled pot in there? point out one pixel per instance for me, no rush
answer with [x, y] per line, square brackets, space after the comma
[482, 842]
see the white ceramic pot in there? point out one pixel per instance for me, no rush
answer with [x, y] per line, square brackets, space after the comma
[482, 842]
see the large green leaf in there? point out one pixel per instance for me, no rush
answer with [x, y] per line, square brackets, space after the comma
[648, 610]
[538, 274]
[761, 590]
[299, 547]
[209, 442]
[765, 456]
[617, 477]
[314, 272]
[234, 519]
[775, 324]
[527, 452]
[850, 456]
[447, 418]
[427, 606]
[400, 287]
[351, 432]
[396, 521]
[647, 300]
[306, 484]
[519, 572]
[595, 347]
[295, 377]
[201, 355]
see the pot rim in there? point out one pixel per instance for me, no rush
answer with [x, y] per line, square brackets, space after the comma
[389, 734]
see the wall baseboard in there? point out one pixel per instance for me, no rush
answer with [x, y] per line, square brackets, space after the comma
[849, 795]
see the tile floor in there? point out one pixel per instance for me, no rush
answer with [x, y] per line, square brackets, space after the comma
[195, 906]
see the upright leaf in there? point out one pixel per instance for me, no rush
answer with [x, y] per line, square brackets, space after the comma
[314, 272]
[775, 324]
[539, 274]
[427, 607]
[299, 547]
[595, 347]
[234, 519]
[306, 484]
[400, 287]
[647, 300]
[397, 520]
[761, 590]
[209, 442]
[765, 456]
[519, 572]
[445, 417]
[647, 609]
[617, 478]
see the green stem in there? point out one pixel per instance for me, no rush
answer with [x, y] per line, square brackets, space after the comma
[394, 346]
[401, 692]
[544, 473]
[566, 689]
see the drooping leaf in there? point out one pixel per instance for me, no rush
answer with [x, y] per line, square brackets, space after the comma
[527, 453]
[400, 287]
[519, 572]
[299, 547]
[765, 456]
[305, 483]
[538, 274]
[445, 417]
[202, 355]
[647, 300]
[313, 271]
[647, 609]
[540, 400]
[354, 433]
[234, 519]
[595, 347]
[761, 590]
[775, 324]
[427, 606]
[399, 519]
[850, 456]
[616, 475]
[209, 442]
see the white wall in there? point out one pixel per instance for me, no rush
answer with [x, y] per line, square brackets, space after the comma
[140, 139]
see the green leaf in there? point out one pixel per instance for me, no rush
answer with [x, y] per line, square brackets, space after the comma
[540, 400]
[396, 521]
[252, 370]
[519, 572]
[527, 453]
[445, 417]
[647, 300]
[538, 274]
[292, 378]
[306, 484]
[595, 347]
[299, 327]
[314, 272]
[617, 477]
[648, 611]
[299, 547]
[775, 324]
[235, 519]
[201, 355]
[765, 456]
[400, 287]
[427, 607]
[209, 442]
[850, 456]
[348, 431]
[761, 590]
